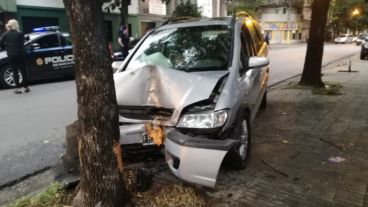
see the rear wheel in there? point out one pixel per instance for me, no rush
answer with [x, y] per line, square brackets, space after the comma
[238, 157]
[7, 78]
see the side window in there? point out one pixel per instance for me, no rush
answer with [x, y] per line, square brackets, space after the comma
[256, 37]
[247, 44]
[48, 41]
[65, 41]
[246, 51]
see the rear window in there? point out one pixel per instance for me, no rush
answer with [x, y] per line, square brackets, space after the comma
[189, 49]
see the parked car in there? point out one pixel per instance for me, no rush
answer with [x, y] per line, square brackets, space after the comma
[360, 39]
[49, 55]
[195, 86]
[364, 49]
[344, 38]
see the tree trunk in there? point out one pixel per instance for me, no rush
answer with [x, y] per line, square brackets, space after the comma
[313, 61]
[101, 182]
[124, 12]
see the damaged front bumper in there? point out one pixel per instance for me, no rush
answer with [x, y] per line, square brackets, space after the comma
[193, 159]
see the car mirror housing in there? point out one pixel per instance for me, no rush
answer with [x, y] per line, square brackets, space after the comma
[258, 62]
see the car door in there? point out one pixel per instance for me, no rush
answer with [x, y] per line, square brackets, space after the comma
[67, 67]
[261, 77]
[249, 77]
[44, 53]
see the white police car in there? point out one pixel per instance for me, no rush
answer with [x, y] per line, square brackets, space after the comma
[49, 55]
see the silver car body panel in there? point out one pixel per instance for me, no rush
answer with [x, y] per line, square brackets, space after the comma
[168, 88]
[197, 165]
[162, 87]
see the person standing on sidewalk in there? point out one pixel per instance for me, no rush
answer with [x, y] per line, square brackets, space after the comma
[123, 40]
[267, 39]
[13, 42]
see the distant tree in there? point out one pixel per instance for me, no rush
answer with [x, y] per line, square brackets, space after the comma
[311, 75]
[101, 182]
[122, 5]
[340, 16]
[249, 6]
[187, 10]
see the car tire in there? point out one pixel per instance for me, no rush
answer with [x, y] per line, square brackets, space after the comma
[6, 79]
[238, 157]
[264, 101]
[362, 55]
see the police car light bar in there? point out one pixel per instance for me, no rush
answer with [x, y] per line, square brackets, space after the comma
[44, 29]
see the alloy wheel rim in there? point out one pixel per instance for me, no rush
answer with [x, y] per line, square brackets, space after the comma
[244, 140]
[9, 78]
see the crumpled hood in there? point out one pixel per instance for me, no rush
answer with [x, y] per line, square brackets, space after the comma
[167, 88]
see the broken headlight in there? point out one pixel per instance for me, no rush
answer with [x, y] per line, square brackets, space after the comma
[204, 120]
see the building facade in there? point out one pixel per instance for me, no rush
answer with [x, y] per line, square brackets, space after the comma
[40, 13]
[143, 14]
[284, 24]
[307, 18]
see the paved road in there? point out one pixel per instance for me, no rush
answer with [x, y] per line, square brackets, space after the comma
[32, 126]
[289, 61]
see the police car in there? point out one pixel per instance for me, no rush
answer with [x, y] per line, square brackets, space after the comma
[49, 55]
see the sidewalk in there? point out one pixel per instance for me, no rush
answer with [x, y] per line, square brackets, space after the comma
[293, 140]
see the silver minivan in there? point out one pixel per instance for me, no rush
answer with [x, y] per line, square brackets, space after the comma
[194, 87]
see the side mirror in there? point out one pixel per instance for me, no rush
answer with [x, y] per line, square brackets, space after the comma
[35, 46]
[258, 62]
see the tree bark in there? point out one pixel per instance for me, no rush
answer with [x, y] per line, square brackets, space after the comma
[101, 183]
[311, 75]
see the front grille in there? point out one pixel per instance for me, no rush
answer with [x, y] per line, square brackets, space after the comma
[145, 112]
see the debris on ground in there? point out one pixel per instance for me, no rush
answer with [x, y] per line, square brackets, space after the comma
[336, 159]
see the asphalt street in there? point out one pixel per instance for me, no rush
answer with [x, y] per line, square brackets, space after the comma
[32, 126]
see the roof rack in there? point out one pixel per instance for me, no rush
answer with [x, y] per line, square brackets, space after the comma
[176, 19]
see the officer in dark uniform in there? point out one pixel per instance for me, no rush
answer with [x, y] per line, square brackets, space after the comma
[13, 42]
[123, 41]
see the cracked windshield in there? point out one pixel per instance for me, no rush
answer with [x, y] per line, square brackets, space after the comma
[188, 49]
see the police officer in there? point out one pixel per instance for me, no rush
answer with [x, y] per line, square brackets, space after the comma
[13, 42]
[123, 41]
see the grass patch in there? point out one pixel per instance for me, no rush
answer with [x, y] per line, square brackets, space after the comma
[167, 195]
[295, 85]
[53, 196]
[161, 194]
[330, 89]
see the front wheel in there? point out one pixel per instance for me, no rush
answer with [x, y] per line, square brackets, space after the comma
[238, 156]
[7, 77]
